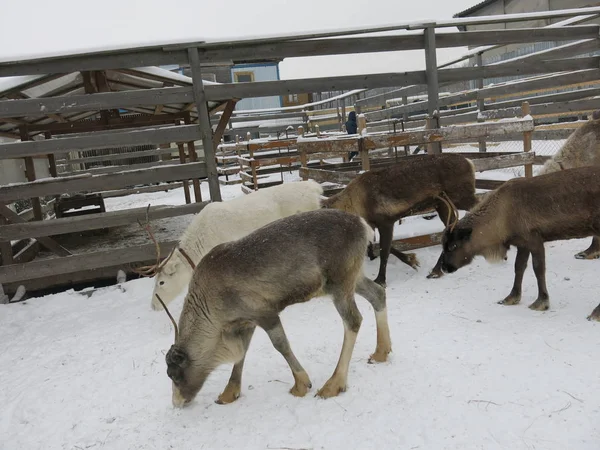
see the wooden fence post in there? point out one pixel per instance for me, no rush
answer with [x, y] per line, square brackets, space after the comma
[5, 247]
[527, 140]
[362, 150]
[204, 124]
[191, 146]
[432, 84]
[30, 174]
[182, 160]
[480, 100]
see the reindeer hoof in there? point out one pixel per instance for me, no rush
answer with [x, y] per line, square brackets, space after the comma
[510, 300]
[595, 315]
[585, 255]
[541, 304]
[412, 260]
[435, 274]
[301, 386]
[332, 388]
[378, 357]
[229, 395]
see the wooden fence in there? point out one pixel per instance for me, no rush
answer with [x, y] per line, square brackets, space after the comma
[111, 131]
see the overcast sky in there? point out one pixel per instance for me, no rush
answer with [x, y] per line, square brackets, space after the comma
[63, 26]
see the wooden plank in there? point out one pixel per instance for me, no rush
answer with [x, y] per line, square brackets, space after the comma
[113, 123]
[263, 117]
[86, 261]
[223, 121]
[121, 168]
[415, 242]
[77, 224]
[99, 140]
[373, 44]
[322, 176]
[96, 183]
[272, 144]
[47, 242]
[448, 134]
[338, 145]
[118, 156]
[517, 68]
[116, 59]
[206, 134]
[90, 102]
[27, 253]
[227, 91]
[488, 184]
[551, 98]
[141, 190]
[502, 162]
[6, 251]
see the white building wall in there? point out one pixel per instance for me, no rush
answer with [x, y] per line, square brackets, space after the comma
[259, 73]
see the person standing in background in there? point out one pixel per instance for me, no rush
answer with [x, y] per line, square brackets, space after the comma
[352, 128]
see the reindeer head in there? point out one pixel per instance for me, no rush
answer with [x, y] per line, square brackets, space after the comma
[170, 279]
[186, 375]
[457, 248]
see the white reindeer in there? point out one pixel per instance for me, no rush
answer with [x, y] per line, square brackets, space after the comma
[226, 221]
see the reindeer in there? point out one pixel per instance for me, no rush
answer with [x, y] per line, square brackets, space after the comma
[242, 284]
[417, 184]
[220, 222]
[525, 213]
[581, 149]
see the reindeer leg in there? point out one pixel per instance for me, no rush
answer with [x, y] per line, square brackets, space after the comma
[592, 252]
[346, 307]
[445, 215]
[386, 232]
[595, 315]
[538, 255]
[520, 265]
[370, 252]
[280, 341]
[234, 386]
[409, 259]
[375, 295]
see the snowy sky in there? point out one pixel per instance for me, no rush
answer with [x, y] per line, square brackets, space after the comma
[64, 26]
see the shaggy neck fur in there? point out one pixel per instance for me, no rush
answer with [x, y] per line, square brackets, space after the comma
[488, 226]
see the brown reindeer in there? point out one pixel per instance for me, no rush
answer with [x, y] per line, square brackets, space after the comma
[246, 283]
[417, 184]
[581, 149]
[526, 212]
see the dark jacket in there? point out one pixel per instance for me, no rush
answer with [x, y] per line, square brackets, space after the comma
[351, 125]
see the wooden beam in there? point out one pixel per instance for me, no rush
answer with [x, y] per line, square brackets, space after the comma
[512, 88]
[47, 242]
[114, 123]
[117, 156]
[78, 224]
[85, 261]
[98, 101]
[140, 190]
[96, 183]
[204, 127]
[100, 140]
[223, 123]
[374, 44]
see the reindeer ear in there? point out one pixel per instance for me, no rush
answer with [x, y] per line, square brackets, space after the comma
[464, 234]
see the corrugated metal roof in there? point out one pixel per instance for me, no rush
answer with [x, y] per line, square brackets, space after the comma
[467, 12]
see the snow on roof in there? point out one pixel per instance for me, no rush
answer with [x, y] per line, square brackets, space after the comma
[164, 73]
[7, 83]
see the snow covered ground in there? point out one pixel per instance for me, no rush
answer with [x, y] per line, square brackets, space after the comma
[84, 372]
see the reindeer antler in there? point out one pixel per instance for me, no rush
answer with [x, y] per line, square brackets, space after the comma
[169, 314]
[451, 209]
[151, 270]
